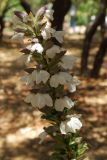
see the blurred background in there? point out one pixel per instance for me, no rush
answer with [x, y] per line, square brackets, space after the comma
[85, 26]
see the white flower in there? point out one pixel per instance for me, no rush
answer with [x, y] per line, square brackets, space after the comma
[27, 79]
[62, 103]
[46, 34]
[18, 37]
[29, 98]
[48, 100]
[67, 62]
[47, 31]
[59, 35]
[51, 52]
[42, 136]
[39, 100]
[49, 5]
[49, 14]
[72, 85]
[37, 47]
[40, 76]
[64, 78]
[60, 78]
[70, 126]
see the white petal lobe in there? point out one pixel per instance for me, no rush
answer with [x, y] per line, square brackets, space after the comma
[70, 126]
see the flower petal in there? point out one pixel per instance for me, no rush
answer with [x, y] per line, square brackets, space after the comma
[54, 81]
[40, 101]
[74, 124]
[49, 14]
[48, 100]
[28, 98]
[68, 103]
[59, 104]
[37, 47]
[67, 61]
[40, 76]
[51, 52]
[62, 128]
[59, 36]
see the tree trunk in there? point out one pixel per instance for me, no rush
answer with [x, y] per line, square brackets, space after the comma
[2, 25]
[99, 58]
[89, 35]
[60, 7]
[26, 6]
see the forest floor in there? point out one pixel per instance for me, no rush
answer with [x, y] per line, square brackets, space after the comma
[20, 124]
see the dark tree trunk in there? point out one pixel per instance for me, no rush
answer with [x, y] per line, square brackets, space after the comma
[99, 58]
[26, 6]
[90, 33]
[60, 7]
[2, 25]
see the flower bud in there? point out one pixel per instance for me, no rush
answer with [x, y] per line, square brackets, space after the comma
[40, 13]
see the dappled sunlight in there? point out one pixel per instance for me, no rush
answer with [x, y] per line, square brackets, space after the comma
[20, 124]
[100, 100]
[22, 135]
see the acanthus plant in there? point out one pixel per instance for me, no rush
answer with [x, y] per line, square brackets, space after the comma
[51, 84]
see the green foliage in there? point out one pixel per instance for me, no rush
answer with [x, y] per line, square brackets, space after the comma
[69, 147]
[9, 6]
[85, 9]
[35, 4]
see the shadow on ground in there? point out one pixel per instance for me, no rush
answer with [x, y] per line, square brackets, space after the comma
[20, 124]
